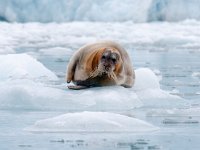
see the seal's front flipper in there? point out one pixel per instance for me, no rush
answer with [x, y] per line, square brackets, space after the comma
[126, 86]
[77, 87]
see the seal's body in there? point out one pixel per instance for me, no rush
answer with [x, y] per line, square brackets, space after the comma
[100, 64]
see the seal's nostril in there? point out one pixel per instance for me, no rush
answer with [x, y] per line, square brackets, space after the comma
[106, 65]
[107, 68]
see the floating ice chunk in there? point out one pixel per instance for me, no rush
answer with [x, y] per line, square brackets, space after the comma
[196, 74]
[57, 52]
[145, 79]
[192, 111]
[158, 74]
[160, 98]
[112, 98]
[91, 122]
[148, 90]
[26, 94]
[23, 66]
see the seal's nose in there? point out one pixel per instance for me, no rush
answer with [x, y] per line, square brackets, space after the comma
[107, 66]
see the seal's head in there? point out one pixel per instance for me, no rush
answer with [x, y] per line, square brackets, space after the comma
[110, 58]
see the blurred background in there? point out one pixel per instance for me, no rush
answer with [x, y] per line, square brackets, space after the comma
[96, 10]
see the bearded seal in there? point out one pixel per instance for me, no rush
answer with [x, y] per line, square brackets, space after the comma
[100, 64]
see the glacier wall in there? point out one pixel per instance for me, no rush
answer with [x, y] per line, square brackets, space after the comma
[174, 10]
[98, 10]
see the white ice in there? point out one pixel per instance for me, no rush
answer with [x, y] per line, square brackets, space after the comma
[56, 52]
[19, 93]
[44, 38]
[20, 66]
[148, 90]
[95, 10]
[91, 122]
[28, 95]
[70, 10]
[196, 74]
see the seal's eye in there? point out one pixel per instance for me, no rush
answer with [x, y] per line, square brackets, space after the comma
[103, 57]
[114, 60]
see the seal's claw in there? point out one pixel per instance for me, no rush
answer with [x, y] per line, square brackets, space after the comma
[77, 87]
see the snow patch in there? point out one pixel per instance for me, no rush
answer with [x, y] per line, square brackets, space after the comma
[91, 122]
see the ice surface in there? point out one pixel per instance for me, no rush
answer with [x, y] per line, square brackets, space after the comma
[25, 91]
[21, 89]
[148, 90]
[16, 66]
[28, 95]
[32, 95]
[91, 122]
[146, 79]
[95, 10]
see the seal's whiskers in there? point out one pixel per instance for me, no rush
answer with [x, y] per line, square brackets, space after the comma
[94, 73]
[113, 76]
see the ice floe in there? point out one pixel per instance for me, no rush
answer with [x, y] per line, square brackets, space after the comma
[196, 74]
[148, 90]
[91, 122]
[146, 79]
[25, 94]
[20, 88]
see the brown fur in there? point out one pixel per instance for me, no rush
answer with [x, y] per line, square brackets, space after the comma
[93, 59]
